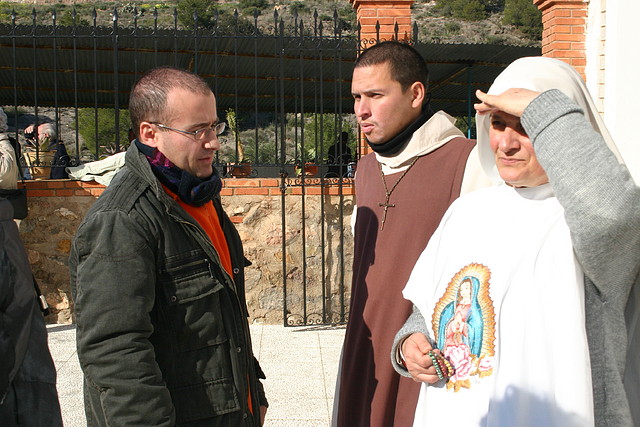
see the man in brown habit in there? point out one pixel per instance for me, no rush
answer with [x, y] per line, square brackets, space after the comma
[417, 168]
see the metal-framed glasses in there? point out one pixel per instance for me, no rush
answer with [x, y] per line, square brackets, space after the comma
[200, 134]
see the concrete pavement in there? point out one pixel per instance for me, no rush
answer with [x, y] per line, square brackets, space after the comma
[301, 365]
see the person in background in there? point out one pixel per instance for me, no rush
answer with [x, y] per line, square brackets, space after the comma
[28, 395]
[9, 173]
[528, 294]
[339, 157]
[47, 140]
[157, 275]
[417, 168]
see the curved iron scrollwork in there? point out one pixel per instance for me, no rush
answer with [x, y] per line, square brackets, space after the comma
[304, 181]
[316, 181]
[315, 319]
[368, 42]
[299, 320]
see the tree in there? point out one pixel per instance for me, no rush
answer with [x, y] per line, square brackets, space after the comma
[206, 13]
[103, 120]
[468, 10]
[211, 15]
[320, 132]
[250, 7]
[524, 15]
[473, 10]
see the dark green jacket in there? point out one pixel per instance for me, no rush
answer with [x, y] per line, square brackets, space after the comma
[163, 337]
[28, 395]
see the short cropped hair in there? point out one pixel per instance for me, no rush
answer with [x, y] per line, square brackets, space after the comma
[48, 128]
[148, 98]
[406, 64]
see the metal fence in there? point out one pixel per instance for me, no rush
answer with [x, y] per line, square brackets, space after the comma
[284, 89]
[285, 84]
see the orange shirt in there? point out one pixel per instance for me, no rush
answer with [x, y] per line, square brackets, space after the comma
[207, 217]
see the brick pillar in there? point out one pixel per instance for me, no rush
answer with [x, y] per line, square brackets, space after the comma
[386, 14]
[564, 30]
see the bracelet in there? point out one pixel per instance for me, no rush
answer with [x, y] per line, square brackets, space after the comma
[401, 359]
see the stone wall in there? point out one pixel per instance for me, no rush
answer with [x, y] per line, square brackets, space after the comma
[56, 208]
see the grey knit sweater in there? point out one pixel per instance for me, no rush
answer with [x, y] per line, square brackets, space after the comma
[602, 209]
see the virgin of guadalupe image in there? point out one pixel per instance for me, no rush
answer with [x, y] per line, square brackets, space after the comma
[464, 326]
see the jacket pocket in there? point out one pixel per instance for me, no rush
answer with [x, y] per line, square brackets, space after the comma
[196, 362]
[203, 401]
[192, 294]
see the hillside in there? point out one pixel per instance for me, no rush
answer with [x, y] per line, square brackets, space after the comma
[431, 26]
[439, 29]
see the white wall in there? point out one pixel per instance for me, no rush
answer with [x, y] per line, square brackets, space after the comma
[595, 40]
[613, 72]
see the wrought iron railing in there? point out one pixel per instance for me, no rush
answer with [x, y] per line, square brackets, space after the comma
[287, 83]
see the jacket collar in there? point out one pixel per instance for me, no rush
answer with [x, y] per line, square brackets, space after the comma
[436, 132]
[137, 164]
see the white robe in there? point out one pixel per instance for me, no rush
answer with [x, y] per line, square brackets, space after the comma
[526, 285]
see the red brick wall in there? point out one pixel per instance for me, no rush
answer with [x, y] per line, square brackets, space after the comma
[231, 187]
[564, 29]
[63, 188]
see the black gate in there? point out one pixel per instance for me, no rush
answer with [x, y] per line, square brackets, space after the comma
[317, 247]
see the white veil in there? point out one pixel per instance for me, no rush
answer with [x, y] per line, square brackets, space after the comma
[540, 74]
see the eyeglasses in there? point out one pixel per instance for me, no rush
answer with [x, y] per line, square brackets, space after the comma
[200, 134]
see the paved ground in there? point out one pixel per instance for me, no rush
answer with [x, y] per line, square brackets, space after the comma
[301, 365]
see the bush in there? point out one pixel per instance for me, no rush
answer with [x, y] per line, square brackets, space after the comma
[494, 6]
[472, 11]
[298, 7]
[452, 27]
[266, 149]
[258, 4]
[106, 126]
[469, 10]
[498, 39]
[225, 23]
[206, 13]
[66, 19]
[463, 124]
[320, 132]
[252, 7]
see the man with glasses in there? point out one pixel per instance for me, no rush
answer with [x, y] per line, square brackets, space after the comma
[157, 274]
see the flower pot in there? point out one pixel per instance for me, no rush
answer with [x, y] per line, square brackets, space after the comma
[40, 165]
[239, 170]
[309, 170]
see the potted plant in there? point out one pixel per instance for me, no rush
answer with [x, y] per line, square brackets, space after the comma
[242, 168]
[306, 164]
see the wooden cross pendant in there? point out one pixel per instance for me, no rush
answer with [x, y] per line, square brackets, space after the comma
[386, 205]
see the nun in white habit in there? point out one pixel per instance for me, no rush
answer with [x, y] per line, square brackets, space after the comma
[527, 296]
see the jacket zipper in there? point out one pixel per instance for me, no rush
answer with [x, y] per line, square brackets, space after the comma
[248, 357]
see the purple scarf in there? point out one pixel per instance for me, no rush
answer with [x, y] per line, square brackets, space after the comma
[191, 190]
